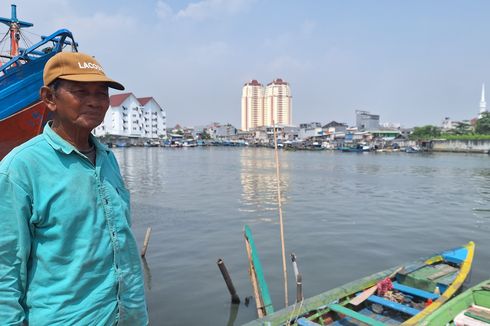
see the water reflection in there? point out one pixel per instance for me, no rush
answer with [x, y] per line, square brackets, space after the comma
[233, 314]
[259, 182]
[143, 169]
[147, 273]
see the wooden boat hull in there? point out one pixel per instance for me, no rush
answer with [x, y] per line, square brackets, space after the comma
[22, 114]
[478, 295]
[22, 126]
[320, 305]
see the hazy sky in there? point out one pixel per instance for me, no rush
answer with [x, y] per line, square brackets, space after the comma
[413, 62]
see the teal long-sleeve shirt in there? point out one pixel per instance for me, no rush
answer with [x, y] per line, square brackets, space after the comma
[67, 254]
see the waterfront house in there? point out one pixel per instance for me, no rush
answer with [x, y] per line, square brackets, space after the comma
[334, 127]
[133, 118]
[310, 130]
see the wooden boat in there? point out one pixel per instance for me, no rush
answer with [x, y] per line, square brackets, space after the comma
[472, 307]
[348, 149]
[400, 295]
[22, 113]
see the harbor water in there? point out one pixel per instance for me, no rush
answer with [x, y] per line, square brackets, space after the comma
[346, 215]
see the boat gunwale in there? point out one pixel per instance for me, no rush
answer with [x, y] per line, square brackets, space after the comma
[322, 300]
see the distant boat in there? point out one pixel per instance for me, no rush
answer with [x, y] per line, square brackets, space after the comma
[189, 143]
[400, 295]
[472, 307]
[354, 149]
[22, 114]
[412, 149]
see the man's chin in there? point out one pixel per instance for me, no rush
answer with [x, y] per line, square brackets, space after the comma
[90, 124]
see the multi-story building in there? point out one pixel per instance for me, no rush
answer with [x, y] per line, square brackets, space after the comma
[252, 105]
[132, 117]
[278, 103]
[366, 121]
[265, 106]
[154, 118]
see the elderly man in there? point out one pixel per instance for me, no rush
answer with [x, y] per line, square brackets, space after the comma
[67, 254]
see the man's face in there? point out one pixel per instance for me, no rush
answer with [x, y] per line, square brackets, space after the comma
[81, 105]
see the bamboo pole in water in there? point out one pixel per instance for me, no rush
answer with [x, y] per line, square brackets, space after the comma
[279, 203]
[145, 243]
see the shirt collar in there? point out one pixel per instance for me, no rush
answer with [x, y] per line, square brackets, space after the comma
[59, 144]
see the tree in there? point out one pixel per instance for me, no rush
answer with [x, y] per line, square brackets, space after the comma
[483, 124]
[205, 135]
[425, 132]
[462, 128]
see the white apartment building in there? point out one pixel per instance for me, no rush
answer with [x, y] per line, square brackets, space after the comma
[252, 105]
[261, 106]
[278, 103]
[132, 117]
[154, 118]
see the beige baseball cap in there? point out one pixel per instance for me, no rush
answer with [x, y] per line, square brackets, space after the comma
[76, 66]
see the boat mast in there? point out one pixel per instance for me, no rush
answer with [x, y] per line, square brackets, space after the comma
[14, 28]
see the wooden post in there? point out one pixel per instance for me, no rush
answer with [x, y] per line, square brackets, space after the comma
[298, 278]
[145, 243]
[295, 265]
[299, 288]
[234, 296]
[279, 203]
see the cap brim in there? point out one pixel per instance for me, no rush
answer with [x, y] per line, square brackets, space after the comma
[94, 78]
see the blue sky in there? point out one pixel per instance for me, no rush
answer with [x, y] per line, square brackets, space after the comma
[413, 62]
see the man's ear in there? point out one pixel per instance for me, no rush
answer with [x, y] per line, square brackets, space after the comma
[47, 96]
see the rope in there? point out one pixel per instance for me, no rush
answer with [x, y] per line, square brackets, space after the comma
[293, 312]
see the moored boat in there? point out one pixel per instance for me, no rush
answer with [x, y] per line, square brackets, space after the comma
[22, 114]
[400, 295]
[471, 307]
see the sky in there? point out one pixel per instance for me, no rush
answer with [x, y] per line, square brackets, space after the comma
[412, 62]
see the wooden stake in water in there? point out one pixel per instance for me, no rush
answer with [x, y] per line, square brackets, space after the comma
[145, 243]
[298, 278]
[229, 283]
[279, 203]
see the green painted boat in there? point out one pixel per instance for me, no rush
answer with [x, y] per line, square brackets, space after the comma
[401, 295]
[471, 307]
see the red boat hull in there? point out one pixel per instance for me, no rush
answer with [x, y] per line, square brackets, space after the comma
[22, 126]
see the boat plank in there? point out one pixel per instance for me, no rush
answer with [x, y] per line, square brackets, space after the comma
[442, 272]
[351, 313]
[305, 322]
[414, 291]
[393, 305]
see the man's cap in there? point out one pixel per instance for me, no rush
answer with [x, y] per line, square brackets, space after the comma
[76, 66]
